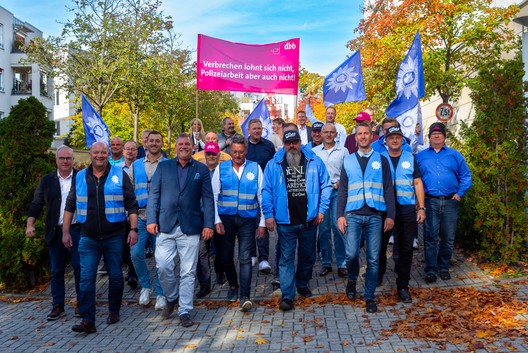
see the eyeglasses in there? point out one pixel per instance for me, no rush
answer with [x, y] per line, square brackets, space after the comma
[64, 158]
[238, 152]
[294, 142]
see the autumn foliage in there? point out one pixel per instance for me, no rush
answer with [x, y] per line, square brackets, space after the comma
[456, 37]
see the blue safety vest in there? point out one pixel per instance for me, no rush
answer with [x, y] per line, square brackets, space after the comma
[113, 196]
[238, 196]
[141, 181]
[364, 188]
[403, 179]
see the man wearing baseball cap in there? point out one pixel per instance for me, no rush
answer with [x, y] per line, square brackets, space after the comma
[446, 178]
[295, 196]
[212, 157]
[409, 194]
[317, 136]
[351, 144]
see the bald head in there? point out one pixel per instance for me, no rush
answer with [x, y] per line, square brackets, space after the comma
[99, 155]
[116, 147]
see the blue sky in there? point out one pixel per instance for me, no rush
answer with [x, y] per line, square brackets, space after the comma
[323, 26]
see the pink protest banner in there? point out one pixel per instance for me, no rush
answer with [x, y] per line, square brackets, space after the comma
[268, 68]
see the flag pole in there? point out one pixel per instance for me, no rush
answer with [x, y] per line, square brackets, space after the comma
[196, 107]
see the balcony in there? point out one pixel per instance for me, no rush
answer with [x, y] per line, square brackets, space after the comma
[21, 87]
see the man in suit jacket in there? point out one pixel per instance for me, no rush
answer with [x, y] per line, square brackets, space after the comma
[177, 187]
[304, 130]
[52, 192]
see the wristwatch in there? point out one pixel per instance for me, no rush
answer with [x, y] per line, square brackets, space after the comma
[421, 208]
[134, 230]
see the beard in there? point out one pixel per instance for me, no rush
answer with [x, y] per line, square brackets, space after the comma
[293, 157]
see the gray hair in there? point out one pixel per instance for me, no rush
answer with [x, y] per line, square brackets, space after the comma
[61, 147]
[240, 140]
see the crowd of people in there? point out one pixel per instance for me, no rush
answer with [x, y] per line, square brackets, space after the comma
[325, 193]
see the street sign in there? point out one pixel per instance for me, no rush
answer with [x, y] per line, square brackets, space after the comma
[444, 112]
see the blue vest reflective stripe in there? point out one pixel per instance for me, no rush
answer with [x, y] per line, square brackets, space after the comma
[367, 188]
[141, 181]
[113, 196]
[403, 179]
[238, 196]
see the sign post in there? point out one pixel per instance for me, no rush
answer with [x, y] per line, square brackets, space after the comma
[444, 112]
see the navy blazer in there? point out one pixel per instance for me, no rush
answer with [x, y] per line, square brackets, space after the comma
[48, 193]
[181, 203]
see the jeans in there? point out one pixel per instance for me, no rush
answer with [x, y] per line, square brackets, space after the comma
[58, 255]
[303, 238]
[90, 252]
[243, 228]
[137, 253]
[369, 227]
[186, 246]
[326, 229]
[440, 222]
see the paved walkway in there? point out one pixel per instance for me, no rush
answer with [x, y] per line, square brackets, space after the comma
[325, 324]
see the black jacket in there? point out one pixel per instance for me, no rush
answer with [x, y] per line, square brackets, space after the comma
[48, 193]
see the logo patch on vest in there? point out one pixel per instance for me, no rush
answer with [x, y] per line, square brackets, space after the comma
[115, 179]
[250, 176]
[376, 165]
[406, 165]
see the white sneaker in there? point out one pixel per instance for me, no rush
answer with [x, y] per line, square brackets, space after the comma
[144, 297]
[415, 244]
[264, 267]
[391, 240]
[161, 302]
[254, 261]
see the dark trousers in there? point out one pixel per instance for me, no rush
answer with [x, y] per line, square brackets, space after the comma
[203, 270]
[217, 258]
[127, 260]
[406, 229]
[58, 257]
[243, 229]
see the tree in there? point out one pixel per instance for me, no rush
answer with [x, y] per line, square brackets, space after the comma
[89, 53]
[25, 136]
[143, 33]
[493, 217]
[457, 35]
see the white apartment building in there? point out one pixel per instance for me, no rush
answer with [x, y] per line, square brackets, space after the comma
[281, 106]
[17, 80]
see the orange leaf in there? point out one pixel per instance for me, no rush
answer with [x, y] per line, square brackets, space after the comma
[261, 340]
[190, 346]
[345, 343]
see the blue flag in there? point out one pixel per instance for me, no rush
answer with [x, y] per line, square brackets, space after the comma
[409, 81]
[260, 112]
[408, 121]
[345, 84]
[95, 129]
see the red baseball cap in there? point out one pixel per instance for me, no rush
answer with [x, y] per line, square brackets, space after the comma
[211, 147]
[362, 116]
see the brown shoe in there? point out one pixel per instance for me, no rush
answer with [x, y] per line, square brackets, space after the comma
[84, 326]
[56, 313]
[169, 308]
[325, 271]
[342, 272]
[112, 318]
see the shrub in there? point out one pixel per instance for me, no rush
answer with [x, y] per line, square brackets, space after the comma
[25, 136]
[493, 215]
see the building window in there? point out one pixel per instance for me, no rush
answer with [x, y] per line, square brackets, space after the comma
[1, 36]
[57, 97]
[57, 128]
[21, 81]
[1, 80]
[44, 84]
[1, 115]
